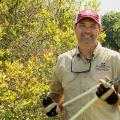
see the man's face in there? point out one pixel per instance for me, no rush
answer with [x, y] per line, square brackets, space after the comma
[87, 31]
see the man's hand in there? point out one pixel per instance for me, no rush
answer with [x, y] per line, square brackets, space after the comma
[51, 107]
[112, 98]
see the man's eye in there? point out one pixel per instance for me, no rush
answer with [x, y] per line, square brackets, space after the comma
[81, 25]
[93, 27]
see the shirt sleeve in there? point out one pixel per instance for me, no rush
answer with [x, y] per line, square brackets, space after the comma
[56, 82]
[116, 69]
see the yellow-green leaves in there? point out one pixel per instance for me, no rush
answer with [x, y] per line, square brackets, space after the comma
[32, 35]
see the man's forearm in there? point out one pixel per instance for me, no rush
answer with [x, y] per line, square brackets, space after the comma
[56, 97]
[118, 102]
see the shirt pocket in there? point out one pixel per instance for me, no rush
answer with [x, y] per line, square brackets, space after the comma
[102, 69]
[68, 79]
[70, 84]
[101, 73]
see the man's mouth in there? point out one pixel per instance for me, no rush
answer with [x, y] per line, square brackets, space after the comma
[87, 36]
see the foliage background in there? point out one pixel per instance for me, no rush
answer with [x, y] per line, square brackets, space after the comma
[32, 35]
[111, 26]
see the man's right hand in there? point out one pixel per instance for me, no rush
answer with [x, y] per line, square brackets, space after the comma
[51, 107]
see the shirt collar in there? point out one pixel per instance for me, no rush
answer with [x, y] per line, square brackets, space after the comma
[95, 52]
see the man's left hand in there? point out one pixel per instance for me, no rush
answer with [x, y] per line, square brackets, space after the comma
[112, 99]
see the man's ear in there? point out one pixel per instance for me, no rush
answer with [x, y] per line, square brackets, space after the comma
[100, 29]
[74, 27]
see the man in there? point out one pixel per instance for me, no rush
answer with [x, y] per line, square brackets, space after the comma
[82, 68]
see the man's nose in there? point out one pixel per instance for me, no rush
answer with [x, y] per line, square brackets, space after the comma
[87, 29]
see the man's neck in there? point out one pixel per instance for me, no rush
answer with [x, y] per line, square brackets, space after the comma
[87, 49]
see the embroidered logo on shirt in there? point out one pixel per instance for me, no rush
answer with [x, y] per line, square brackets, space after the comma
[102, 67]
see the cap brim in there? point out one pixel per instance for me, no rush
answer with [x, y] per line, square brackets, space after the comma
[87, 17]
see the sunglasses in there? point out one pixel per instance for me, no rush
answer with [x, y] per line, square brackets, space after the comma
[84, 71]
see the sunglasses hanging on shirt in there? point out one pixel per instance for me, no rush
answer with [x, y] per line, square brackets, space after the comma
[84, 71]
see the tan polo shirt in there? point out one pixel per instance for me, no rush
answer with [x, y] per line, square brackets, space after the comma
[105, 62]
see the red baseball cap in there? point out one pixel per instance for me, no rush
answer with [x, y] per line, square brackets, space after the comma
[88, 13]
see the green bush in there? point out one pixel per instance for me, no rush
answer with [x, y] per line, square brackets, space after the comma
[22, 88]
